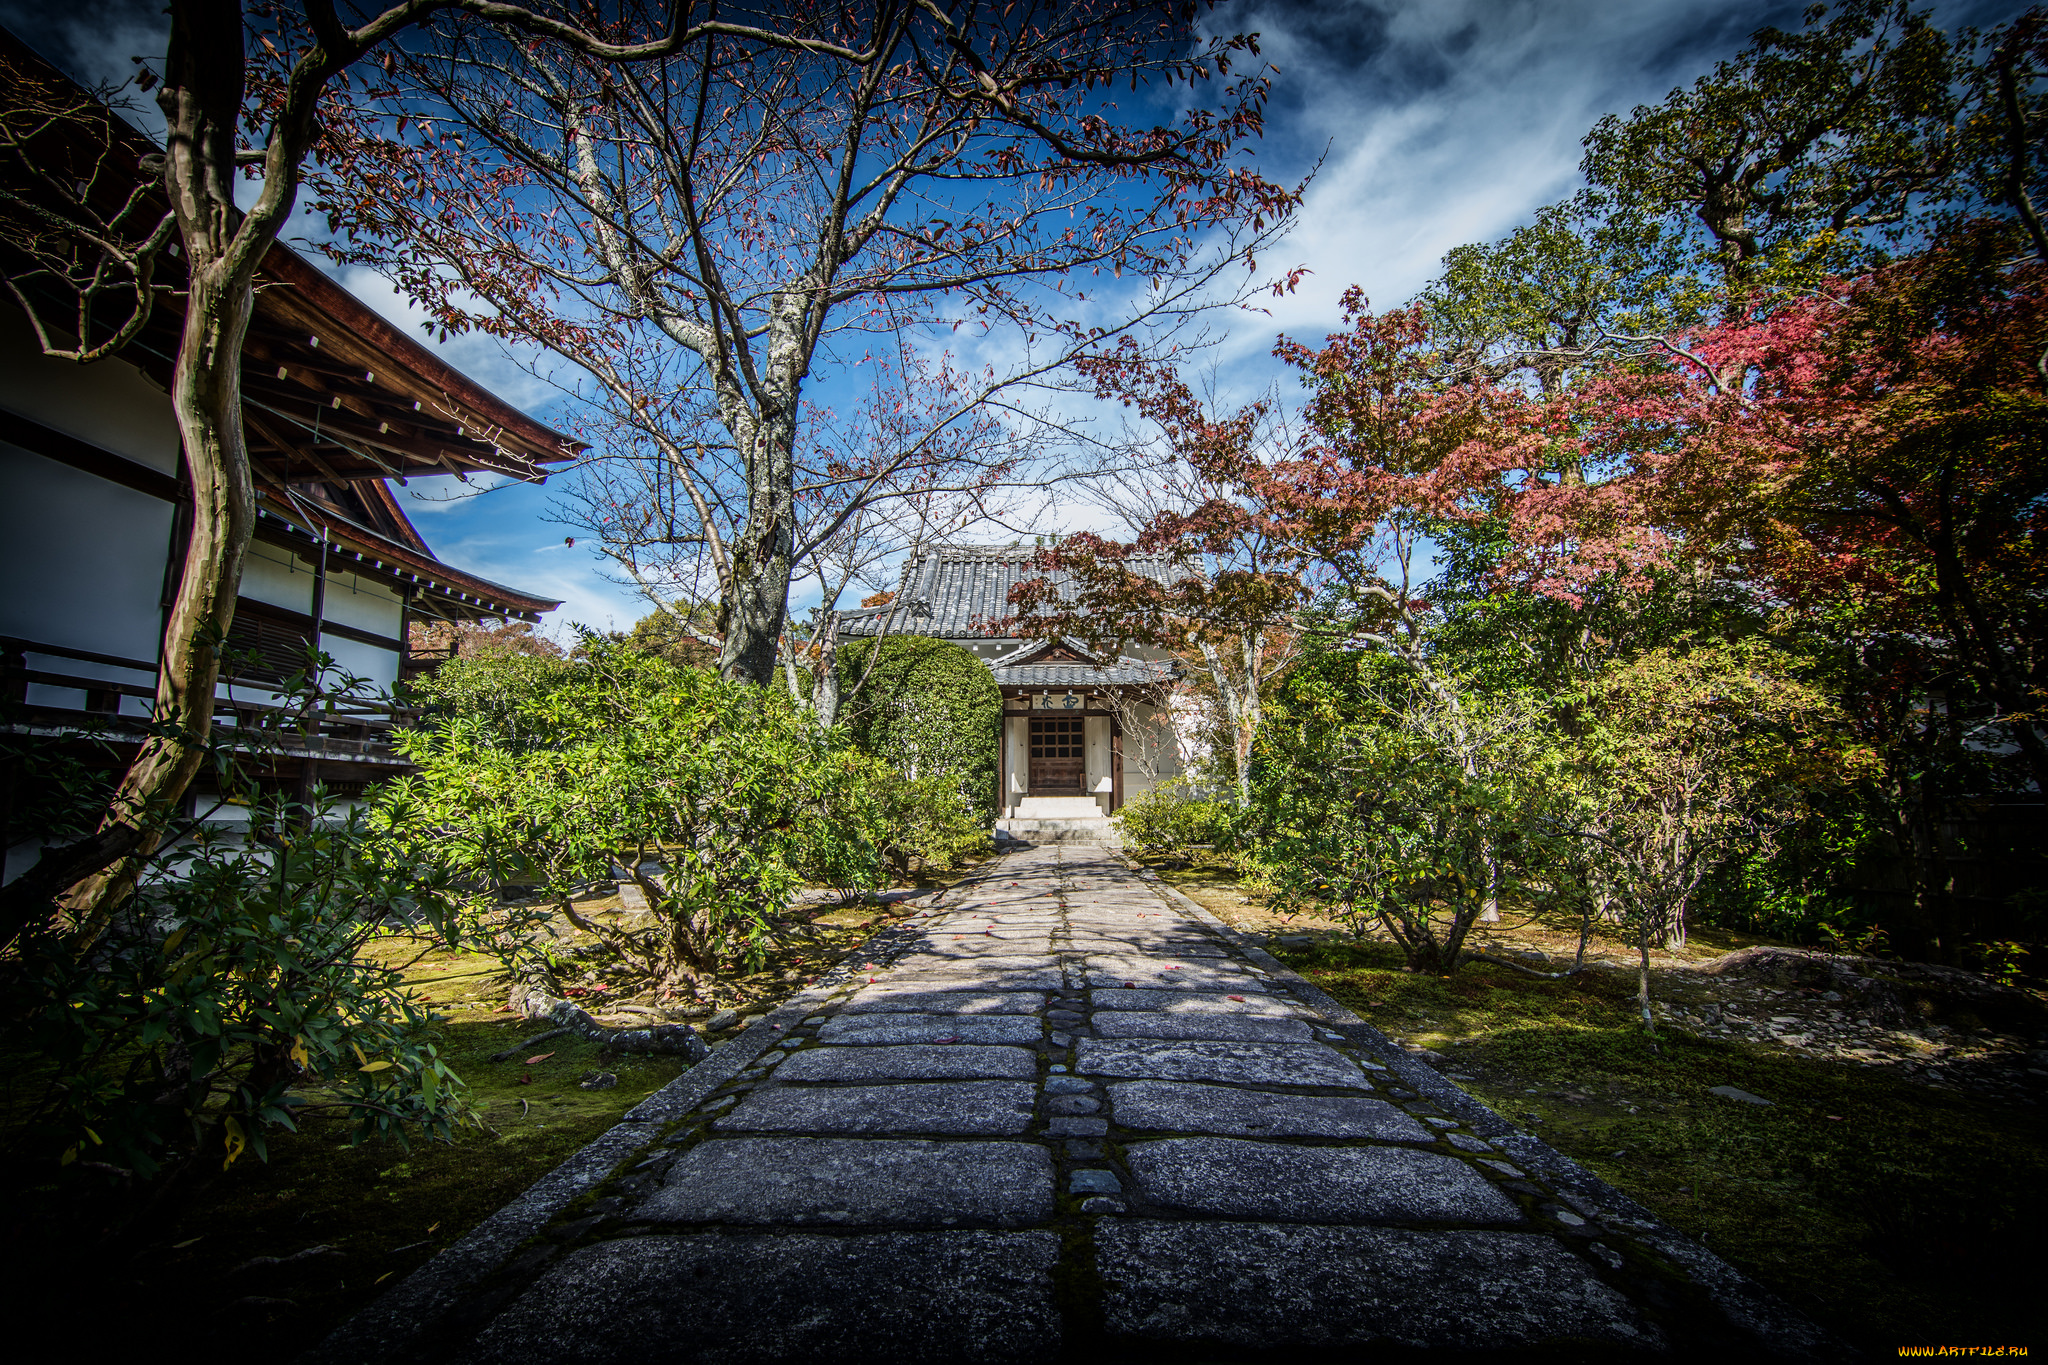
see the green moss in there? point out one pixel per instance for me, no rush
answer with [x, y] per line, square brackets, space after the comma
[383, 1209]
[1890, 1211]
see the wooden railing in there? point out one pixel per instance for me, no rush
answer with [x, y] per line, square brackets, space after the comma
[333, 726]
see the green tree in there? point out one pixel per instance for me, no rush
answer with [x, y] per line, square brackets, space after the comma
[717, 798]
[1384, 797]
[928, 709]
[1807, 155]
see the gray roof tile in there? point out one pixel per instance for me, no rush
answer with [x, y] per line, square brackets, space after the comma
[947, 589]
[1123, 673]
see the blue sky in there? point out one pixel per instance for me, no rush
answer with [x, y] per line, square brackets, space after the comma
[1442, 122]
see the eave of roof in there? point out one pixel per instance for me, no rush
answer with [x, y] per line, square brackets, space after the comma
[384, 555]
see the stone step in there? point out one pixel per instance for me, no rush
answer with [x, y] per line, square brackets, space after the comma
[1058, 808]
[1098, 830]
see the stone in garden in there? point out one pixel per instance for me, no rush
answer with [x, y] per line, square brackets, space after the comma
[1232, 1178]
[854, 1182]
[1094, 1182]
[1729, 1092]
[1175, 1106]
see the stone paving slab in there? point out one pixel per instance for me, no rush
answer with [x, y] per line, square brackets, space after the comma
[1196, 1002]
[1180, 1107]
[801, 1181]
[1164, 973]
[910, 1062]
[875, 1029]
[1242, 1063]
[1233, 1178]
[975, 949]
[1006, 974]
[1155, 1024]
[905, 1298]
[1251, 1286]
[1062, 1112]
[982, 1108]
[910, 999]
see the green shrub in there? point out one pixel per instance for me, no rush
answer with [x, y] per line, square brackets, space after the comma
[927, 707]
[929, 825]
[626, 759]
[1170, 821]
[228, 996]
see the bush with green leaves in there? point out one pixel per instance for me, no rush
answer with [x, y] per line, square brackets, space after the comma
[1380, 798]
[1172, 820]
[623, 761]
[230, 996]
[926, 708]
[929, 825]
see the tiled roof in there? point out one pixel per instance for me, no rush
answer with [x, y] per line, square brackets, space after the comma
[1122, 673]
[945, 590]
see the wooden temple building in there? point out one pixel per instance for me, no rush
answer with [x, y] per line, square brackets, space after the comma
[1073, 720]
[95, 508]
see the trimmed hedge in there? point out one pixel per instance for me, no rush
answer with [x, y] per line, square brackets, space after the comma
[929, 707]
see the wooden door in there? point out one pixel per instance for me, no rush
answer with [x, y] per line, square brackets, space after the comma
[1056, 756]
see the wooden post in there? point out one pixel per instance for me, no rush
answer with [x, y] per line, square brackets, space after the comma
[1003, 762]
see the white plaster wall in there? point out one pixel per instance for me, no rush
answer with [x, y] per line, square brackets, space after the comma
[1016, 759]
[364, 604]
[379, 667]
[1148, 727]
[276, 577]
[108, 403]
[1097, 761]
[81, 559]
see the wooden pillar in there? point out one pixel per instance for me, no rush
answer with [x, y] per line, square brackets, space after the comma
[1003, 761]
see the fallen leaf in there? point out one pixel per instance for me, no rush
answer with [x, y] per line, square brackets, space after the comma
[432, 1229]
[1130, 985]
[1238, 998]
[526, 1079]
[385, 1276]
[180, 1246]
[1836, 1117]
[536, 1061]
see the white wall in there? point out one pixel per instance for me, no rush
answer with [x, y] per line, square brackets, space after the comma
[1016, 759]
[81, 559]
[108, 403]
[1151, 751]
[1098, 777]
[275, 576]
[364, 604]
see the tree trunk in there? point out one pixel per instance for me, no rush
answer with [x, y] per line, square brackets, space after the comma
[202, 102]
[752, 612]
[206, 394]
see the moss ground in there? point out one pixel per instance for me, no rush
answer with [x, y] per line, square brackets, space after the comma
[1890, 1211]
[370, 1214]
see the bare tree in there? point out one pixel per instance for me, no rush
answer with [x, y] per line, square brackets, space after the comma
[698, 234]
[223, 116]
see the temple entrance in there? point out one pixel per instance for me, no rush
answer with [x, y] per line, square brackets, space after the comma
[1056, 756]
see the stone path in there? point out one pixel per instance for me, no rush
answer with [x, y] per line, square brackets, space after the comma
[1065, 1116]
